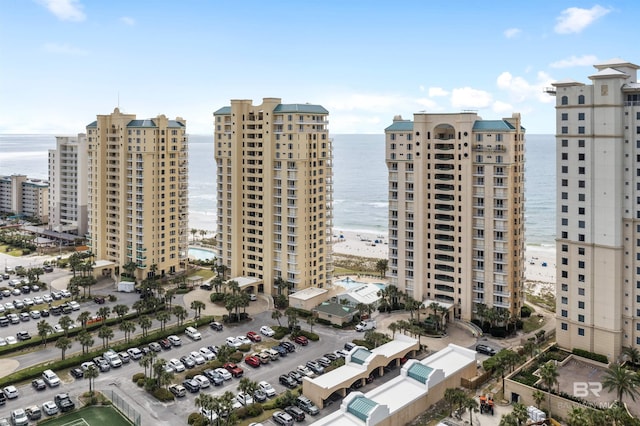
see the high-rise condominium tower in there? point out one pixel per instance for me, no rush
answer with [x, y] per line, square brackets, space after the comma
[456, 211]
[598, 205]
[26, 197]
[68, 185]
[274, 193]
[137, 179]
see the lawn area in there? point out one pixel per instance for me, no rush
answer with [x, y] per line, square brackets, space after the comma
[13, 252]
[532, 323]
[204, 273]
[90, 416]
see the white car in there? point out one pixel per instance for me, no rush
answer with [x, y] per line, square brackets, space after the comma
[267, 389]
[224, 373]
[74, 305]
[28, 301]
[9, 306]
[47, 298]
[11, 392]
[11, 340]
[175, 340]
[35, 314]
[202, 380]
[244, 340]
[244, 398]
[207, 354]
[2, 309]
[232, 342]
[65, 293]
[197, 357]
[267, 331]
[134, 353]
[305, 371]
[176, 365]
[57, 328]
[3, 342]
[38, 300]
[19, 417]
[50, 408]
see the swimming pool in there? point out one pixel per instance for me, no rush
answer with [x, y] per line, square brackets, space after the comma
[201, 254]
[349, 283]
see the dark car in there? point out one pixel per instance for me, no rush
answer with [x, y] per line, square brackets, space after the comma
[215, 325]
[25, 289]
[487, 350]
[295, 412]
[287, 381]
[56, 310]
[47, 268]
[206, 286]
[23, 335]
[259, 396]
[281, 351]
[295, 376]
[213, 377]
[45, 313]
[38, 384]
[4, 321]
[331, 356]
[191, 385]
[76, 372]
[64, 402]
[99, 300]
[306, 405]
[290, 347]
[301, 340]
[165, 343]
[66, 309]
[3, 398]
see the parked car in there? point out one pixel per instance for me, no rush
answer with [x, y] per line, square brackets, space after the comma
[324, 361]
[73, 304]
[124, 357]
[187, 361]
[197, 357]
[19, 417]
[263, 356]
[155, 346]
[254, 337]
[253, 361]
[165, 343]
[305, 371]
[99, 300]
[214, 377]
[290, 347]
[215, 325]
[223, 373]
[281, 350]
[287, 381]
[134, 353]
[315, 367]
[282, 418]
[178, 390]
[267, 331]
[233, 369]
[38, 384]
[206, 286]
[295, 376]
[64, 402]
[259, 396]
[11, 392]
[51, 378]
[331, 356]
[191, 385]
[301, 340]
[176, 365]
[77, 372]
[306, 405]
[23, 335]
[267, 388]
[244, 398]
[206, 354]
[487, 350]
[50, 408]
[112, 358]
[47, 268]
[175, 340]
[295, 412]
[232, 342]
[244, 340]
[202, 381]
[33, 412]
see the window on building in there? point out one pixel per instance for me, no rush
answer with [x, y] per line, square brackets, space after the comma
[564, 130]
[580, 305]
[581, 100]
[564, 116]
[581, 170]
[564, 326]
[581, 291]
[564, 313]
[564, 300]
[565, 143]
[581, 116]
[580, 143]
[580, 331]
[565, 287]
[580, 157]
[564, 100]
[565, 182]
[580, 318]
[565, 169]
[565, 209]
[581, 130]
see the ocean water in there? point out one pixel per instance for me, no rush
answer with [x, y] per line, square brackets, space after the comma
[360, 180]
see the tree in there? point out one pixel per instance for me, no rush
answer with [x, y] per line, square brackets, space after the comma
[194, 232]
[163, 317]
[145, 324]
[197, 306]
[381, 266]
[509, 419]
[147, 361]
[74, 263]
[120, 310]
[44, 330]
[292, 317]
[632, 355]
[65, 322]
[105, 333]
[162, 376]
[180, 313]
[83, 318]
[393, 327]
[470, 404]
[276, 315]
[311, 320]
[128, 327]
[63, 343]
[216, 282]
[623, 381]
[130, 268]
[203, 233]
[538, 396]
[104, 312]
[549, 376]
[86, 341]
[453, 397]
[234, 286]
[247, 386]
[91, 373]
[205, 402]
[520, 413]
[278, 283]
[138, 306]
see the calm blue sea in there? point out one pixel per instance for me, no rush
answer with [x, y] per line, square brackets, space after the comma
[360, 180]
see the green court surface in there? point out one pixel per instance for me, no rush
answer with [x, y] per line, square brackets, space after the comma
[91, 416]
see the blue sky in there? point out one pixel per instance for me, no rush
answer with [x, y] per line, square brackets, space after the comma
[65, 61]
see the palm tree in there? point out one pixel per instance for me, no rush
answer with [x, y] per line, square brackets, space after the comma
[138, 306]
[278, 283]
[83, 318]
[147, 361]
[453, 397]
[65, 322]
[180, 313]
[381, 266]
[128, 327]
[470, 404]
[63, 343]
[203, 233]
[194, 232]
[247, 386]
[44, 330]
[105, 333]
[163, 317]
[292, 316]
[145, 324]
[549, 376]
[311, 320]
[632, 355]
[623, 381]
[205, 402]
[393, 327]
[538, 396]
[120, 310]
[276, 315]
[197, 306]
[104, 312]
[91, 373]
[509, 419]
[86, 341]
[130, 268]
[520, 413]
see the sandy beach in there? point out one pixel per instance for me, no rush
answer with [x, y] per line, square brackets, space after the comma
[540, 261]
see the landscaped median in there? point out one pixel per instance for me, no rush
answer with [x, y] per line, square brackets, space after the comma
[36, 370]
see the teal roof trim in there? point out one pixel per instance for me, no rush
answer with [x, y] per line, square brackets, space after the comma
[93, 125]
[141, 123]
[300, 108]
[361, 407]
[223, 111]
[360, 356]
[419, 372]
[336, 309]
[400, 126]
[492, 125]
[173, 124]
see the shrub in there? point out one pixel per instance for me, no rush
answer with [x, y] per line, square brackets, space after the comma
[242, 412]
[112, 298]
[196, 418]
[163, 395]
[216, 297]
[254, 410]
[140, 382]
[590, 355]
[236, 357]
[309, 335]
[244, 348]
[324, 321]
[280, 332]
[525, 311]
[137, 377]
[499, 332]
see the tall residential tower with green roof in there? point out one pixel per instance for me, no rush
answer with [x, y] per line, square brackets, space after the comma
[274, 194]
[138, 192]
[456, 212]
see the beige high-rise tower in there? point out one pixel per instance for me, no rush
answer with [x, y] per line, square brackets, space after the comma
[456, 211]
[598, 210]
[138, 192]
[274, 193]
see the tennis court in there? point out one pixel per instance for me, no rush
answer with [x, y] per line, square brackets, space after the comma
[91, 416]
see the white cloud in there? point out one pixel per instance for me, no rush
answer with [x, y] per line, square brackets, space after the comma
[575, 61]
[467, 97]
[437, 91]
[128, 21]
[64, 49]
[65, 10]
[520, 90]
[512, 32]
[502, 107]
[421, 87]
[427, 103]
[575, 19]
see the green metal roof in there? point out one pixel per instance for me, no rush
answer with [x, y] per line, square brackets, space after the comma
[223, 111]
[492, 125]
[336, 309]
[93, 124]
[361, 407]
[141, 123]
[400, 126]
[298, 108]
[419, 372]
[360, 356]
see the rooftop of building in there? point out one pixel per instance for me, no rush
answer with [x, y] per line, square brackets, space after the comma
[284, 109]
[365, 293]
[146, 123]
[308, 293]
[334, 308]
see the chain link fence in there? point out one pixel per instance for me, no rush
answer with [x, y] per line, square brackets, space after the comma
[124, 407]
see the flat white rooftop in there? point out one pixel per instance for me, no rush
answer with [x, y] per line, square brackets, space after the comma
[308, 293]
[246, 281]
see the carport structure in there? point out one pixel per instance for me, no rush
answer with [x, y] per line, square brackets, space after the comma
[358, 366]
